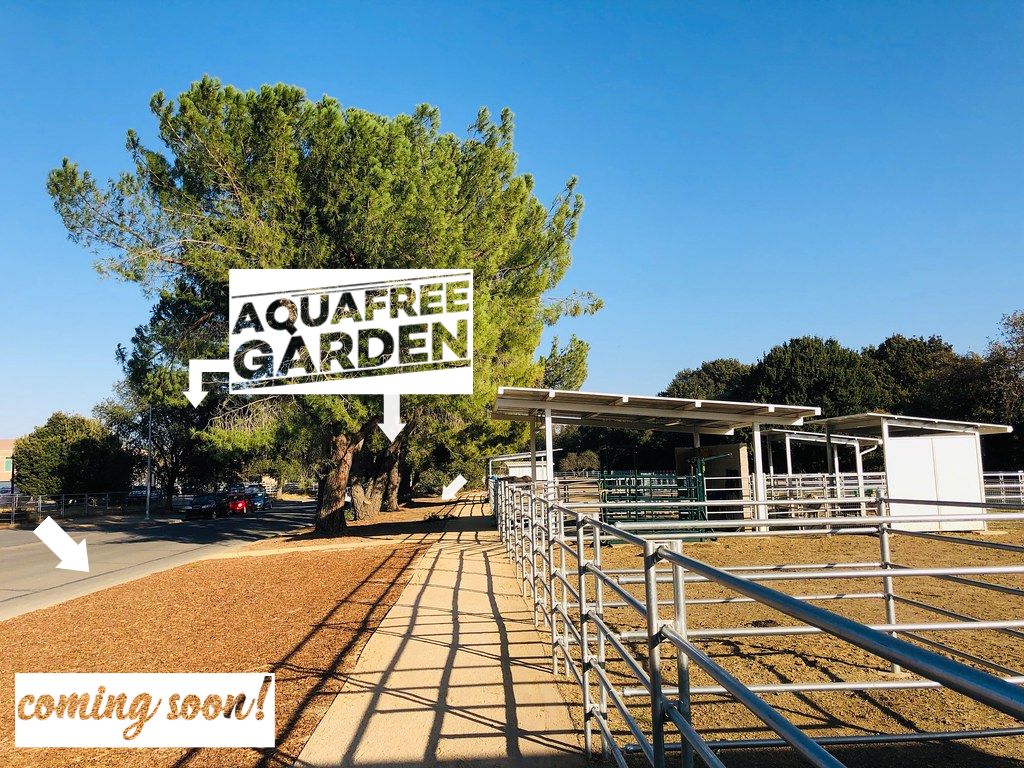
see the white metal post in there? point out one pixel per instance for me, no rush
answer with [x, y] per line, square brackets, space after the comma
[534, 515]
[885, 460]
[759, 484]
[581, 581]
[830, 477]
[533, 453]
[549, 454]
[563, 572]
[981, 474]
[682, 660]
[520, 532]
[654, 653]
[860, 475]
[553, 588]
[886, 558]
[602, 694]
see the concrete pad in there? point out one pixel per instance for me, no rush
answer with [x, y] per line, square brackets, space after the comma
[456, 674]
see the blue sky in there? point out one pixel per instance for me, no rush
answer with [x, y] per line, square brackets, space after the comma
[752, 171]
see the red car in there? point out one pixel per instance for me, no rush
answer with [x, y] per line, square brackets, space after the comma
[239, 504]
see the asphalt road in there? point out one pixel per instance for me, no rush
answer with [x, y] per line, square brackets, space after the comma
[123, 549]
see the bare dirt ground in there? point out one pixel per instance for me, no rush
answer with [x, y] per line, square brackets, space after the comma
[303, 614]
[788, 659]
[416, 522]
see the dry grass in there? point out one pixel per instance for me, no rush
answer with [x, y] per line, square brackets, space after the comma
[302, 615]
[796, 658]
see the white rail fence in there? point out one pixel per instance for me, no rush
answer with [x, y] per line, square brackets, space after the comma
[556, 548]
[1004, 487]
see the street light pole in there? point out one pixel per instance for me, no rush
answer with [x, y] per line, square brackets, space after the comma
[149, 461]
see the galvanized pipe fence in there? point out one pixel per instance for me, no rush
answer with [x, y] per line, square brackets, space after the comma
[556, 549]
[23, 507]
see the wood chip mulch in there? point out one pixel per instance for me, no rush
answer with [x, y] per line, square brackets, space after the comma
[304, 616]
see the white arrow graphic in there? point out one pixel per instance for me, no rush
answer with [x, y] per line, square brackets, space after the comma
[392, 423]
[449, 491]
[196, 368]
[73, 557]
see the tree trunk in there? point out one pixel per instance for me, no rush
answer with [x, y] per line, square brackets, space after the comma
[381, 490]
[330, 514]
[367, 500]
[405, 483]
[392, 477]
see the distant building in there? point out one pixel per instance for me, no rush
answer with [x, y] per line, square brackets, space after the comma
[6, 459]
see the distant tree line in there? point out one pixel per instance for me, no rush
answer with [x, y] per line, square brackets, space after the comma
[72, 454]
[904, 375]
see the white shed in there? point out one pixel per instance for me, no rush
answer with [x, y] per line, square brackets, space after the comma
[926, 459]
[522, 467]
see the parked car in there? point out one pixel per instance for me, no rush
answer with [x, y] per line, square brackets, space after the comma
[239, 503]
[137, 495]
[212, 505]
[261, 500]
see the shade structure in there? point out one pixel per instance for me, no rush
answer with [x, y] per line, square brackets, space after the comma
[871, 423]
[926, 459]
[643, 412]
[803, 436]
[666, 414]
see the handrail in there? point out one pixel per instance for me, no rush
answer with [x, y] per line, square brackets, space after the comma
[775, 522]
[796, 738]
[533, 524]
[978, 685]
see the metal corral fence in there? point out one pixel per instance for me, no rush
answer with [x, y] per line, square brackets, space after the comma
[24, 508]
[1005, 487]
[557, 552]
[1001, 487]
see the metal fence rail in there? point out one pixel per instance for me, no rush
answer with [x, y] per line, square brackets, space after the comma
[556, 549]
[25, 508]
[1004, 486]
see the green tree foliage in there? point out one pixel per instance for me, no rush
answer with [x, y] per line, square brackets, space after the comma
[566, 368]
[915, 376]
[586, 461]
[1006, 356]
[812, 371]
[722, 379]
[72, 454]
[995, 385]
[625, 449]
[271, 179]
[908, 370]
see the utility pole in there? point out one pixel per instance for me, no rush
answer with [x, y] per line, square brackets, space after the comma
[149, 461]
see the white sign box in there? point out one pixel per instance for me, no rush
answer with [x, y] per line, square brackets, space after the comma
[143, 710]
[350, 331]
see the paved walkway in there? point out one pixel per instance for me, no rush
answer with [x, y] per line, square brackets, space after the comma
[456, 674]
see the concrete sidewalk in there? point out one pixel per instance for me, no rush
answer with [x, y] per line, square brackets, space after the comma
[456, 674]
